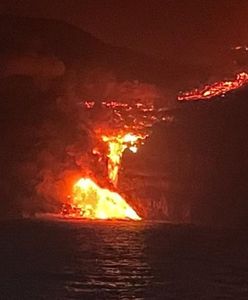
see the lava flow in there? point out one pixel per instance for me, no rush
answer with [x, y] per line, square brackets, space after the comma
[90, 201]
[117, 144]
[127, 129]
[219, 88]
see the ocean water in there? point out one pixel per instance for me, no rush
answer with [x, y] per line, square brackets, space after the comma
[49, 259]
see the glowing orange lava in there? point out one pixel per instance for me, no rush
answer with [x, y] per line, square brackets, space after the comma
[90, 201]
[127, 128]
[219, 88]
[117, 144]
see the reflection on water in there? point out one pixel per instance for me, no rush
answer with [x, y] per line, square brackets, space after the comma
[121, 260]
[116, 266]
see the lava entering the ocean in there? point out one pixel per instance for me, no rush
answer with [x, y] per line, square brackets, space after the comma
[127, 128]
[90, 201]
[219, 88]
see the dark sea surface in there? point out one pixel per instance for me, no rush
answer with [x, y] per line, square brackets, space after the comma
[48, 259]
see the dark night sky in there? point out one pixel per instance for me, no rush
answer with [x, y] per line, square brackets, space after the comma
[167, 28]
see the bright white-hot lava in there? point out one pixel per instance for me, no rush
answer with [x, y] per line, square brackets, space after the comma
[117, 144]
[93, 202]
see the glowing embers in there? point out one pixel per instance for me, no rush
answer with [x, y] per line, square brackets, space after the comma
[117, 144]
[90, 201]
[219, 88]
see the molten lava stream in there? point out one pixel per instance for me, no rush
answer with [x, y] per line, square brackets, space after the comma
[219, 88]
[117, 144]
[90, 201]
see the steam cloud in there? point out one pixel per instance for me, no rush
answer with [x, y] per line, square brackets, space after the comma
[51, 131]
